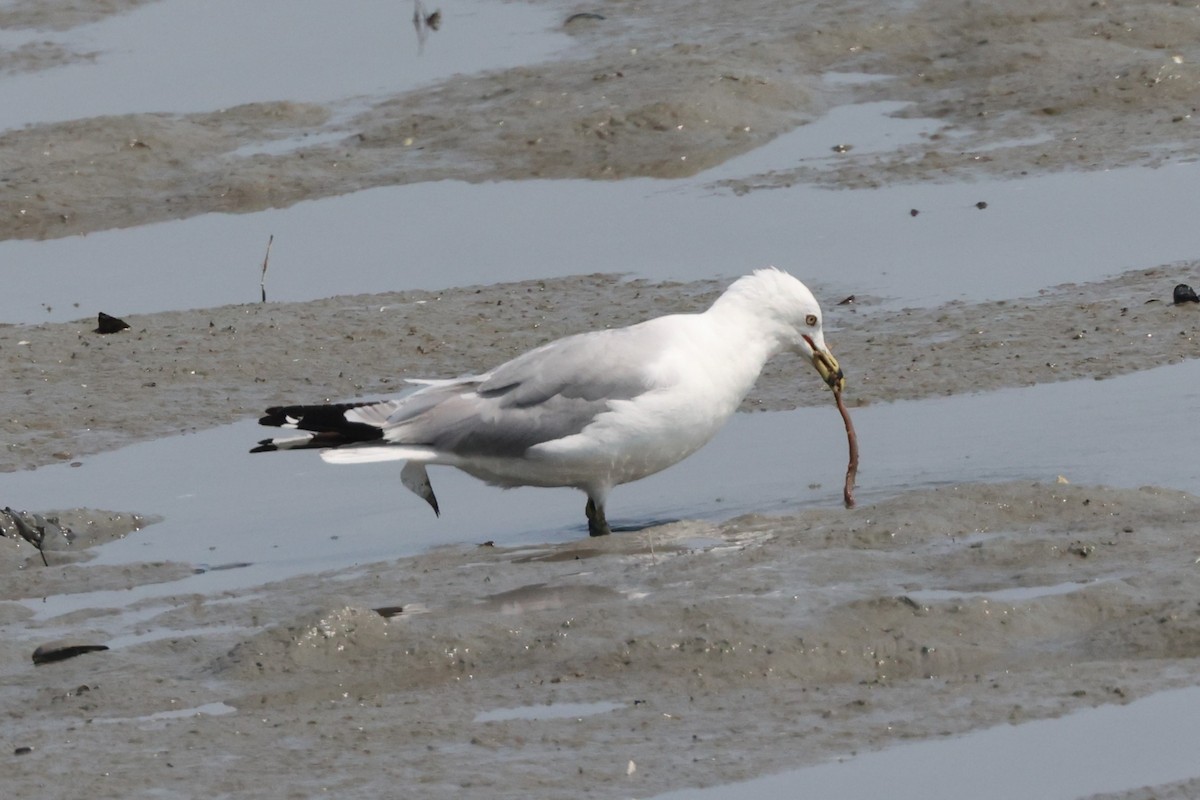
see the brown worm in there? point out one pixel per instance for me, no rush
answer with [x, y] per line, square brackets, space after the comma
[852, 438]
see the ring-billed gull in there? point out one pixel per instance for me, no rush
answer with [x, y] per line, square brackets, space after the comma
[590, 411]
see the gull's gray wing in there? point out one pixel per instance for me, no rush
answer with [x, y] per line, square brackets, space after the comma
[548, 393]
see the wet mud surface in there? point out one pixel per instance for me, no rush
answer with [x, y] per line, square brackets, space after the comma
[726, 650]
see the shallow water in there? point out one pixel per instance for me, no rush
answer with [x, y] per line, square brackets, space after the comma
[294, 50]
[1034, 233]
[1107, 749]
[290, 514]
[1014, 594]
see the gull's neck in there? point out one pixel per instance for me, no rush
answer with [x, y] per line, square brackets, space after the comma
[739, 340]
[750, 323]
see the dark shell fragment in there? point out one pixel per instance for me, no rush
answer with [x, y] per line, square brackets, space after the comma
[106, 323]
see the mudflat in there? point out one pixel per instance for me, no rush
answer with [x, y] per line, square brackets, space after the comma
[690, 654]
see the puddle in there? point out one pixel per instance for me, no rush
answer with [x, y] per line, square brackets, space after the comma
[547, 711]
[1015, 594]
[1148, 742]
[1036, 232]
[208, 709]
[863, 128]
[853, 78]
[298, 50]
[288, 514]
[280, 147]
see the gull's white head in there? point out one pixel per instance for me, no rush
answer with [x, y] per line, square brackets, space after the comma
[792, 314]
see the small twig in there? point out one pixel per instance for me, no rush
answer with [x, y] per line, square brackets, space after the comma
[852, 438]
[262, 284]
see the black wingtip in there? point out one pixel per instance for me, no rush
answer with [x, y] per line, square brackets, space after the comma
[265, 446]
[275, 417]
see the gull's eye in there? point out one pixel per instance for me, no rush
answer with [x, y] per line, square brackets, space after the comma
[811, 320]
